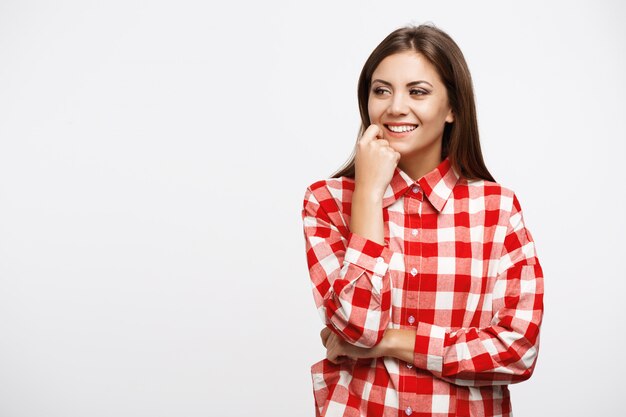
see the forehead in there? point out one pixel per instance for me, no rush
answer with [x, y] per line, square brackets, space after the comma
[405, 67]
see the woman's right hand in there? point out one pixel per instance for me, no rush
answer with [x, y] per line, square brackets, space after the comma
[375, 162]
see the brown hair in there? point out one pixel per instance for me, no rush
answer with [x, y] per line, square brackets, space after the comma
[460, 138]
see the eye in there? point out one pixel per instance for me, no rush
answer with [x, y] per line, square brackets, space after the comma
[418, 91]
[380, 90]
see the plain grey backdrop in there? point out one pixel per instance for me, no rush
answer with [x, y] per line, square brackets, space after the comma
[154, 157]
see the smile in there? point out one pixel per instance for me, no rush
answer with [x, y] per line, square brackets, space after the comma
[401, 128]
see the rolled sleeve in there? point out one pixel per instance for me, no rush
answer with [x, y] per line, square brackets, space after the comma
[428, 353]
[367, 254]
[349, 273]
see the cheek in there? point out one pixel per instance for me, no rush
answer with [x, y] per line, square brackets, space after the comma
[432, 114]
[373, 111]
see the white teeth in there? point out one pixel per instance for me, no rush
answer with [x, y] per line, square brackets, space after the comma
[403, 128]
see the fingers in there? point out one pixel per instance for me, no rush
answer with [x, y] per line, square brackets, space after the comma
[374, 162]
[384, 142]
[335, 351]
[371, 133]
[324, 335]
[337, 360]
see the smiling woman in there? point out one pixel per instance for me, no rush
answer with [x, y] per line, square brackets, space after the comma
[411, 114]
[422, 268]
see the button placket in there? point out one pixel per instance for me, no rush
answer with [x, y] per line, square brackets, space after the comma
[413, 210]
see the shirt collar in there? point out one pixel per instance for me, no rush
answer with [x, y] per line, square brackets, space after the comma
[436, 185]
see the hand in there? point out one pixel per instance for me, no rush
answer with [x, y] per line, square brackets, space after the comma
[375, 161]
[339, 351]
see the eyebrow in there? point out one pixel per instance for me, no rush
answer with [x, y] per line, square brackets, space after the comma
[411, 84]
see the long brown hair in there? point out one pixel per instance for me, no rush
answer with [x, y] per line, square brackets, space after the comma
[460, 138]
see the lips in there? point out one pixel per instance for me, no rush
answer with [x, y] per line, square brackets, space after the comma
[401, 128]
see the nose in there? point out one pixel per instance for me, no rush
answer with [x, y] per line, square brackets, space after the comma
[398, 105]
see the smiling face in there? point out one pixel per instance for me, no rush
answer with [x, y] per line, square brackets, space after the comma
[409, 102]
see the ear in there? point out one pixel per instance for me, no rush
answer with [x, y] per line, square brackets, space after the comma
[450, 117]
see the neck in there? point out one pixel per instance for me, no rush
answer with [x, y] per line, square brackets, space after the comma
[418, 165]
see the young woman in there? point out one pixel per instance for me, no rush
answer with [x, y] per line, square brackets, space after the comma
[422, 268]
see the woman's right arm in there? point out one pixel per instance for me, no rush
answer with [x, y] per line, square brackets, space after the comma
[375, 162]
[349, 266]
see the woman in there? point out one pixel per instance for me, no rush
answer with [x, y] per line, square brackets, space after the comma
[422, 268]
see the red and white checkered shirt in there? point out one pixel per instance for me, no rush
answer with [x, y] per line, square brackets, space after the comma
[458, 266]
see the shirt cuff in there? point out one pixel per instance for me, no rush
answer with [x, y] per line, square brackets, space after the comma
[428, 352]
[368, 254]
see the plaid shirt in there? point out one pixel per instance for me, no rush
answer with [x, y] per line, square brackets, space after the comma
[458, 267]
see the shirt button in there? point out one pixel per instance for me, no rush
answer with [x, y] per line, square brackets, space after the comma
[413, 271]
[408, 411]
[411, 319]
[414, 232]
[415, 189]
[409, 365]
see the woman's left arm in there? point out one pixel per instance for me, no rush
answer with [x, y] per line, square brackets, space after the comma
[502, 353]
[505, 351]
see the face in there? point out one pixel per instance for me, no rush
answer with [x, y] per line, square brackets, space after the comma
[409, 103]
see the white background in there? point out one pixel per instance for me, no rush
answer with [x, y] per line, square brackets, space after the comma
[153, 160]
